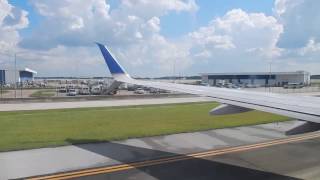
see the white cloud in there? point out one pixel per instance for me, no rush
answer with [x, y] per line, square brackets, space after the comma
[311, 47]
[79, 23]
[134, 35]
[206, 36]
[5, 9]
[300, 40]
[203, 55]
[154, 24]
[64, 61]
[149, 8]
[132, 30]
[236, 41]
[301, 21]
[238, 32]
[70, 23]
[11, 20]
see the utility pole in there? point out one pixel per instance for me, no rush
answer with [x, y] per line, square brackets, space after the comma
[15, 75]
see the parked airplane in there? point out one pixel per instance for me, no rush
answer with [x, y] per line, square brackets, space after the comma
[233, 100]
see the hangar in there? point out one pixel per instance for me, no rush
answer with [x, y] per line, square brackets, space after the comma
[11, 76]
[258, 78]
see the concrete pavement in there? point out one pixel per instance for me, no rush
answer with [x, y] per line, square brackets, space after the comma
[101, 103]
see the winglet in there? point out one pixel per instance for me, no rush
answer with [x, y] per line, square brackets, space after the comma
[114, 67]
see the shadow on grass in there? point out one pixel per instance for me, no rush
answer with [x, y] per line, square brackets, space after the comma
[191, 169]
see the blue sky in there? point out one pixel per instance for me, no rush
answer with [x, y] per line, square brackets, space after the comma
[34, 18]
[150, 37]
[175, 24]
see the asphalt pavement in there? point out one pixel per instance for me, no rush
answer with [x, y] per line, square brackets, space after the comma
[292, 161]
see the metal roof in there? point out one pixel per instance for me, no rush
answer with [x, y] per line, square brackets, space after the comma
[258, 73]
[30, 70]
[25, 69]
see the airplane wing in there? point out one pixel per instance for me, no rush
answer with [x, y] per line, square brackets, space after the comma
[299, 107]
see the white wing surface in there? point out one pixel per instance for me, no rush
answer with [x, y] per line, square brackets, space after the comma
[299, 107]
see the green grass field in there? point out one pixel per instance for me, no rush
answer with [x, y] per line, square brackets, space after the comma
[34, 129]
[44, 93]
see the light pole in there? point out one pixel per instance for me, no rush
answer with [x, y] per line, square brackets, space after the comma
[15, 75]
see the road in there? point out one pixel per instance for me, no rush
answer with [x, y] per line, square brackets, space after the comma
[100, 103]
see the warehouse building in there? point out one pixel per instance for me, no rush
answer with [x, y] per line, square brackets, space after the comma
[259, 78]
[12, 76]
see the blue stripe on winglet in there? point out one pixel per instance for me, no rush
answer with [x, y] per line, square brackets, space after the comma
[113, 65]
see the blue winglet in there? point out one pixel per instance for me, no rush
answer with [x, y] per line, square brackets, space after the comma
[113, 65]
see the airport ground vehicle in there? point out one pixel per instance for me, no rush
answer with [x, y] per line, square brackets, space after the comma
[72, 92]
[204, 84]
[70, 87]
[139, 91]
[251, 86]
[62, 89]
[84, 91]
[293, 86]
[96, 90]
[154, 91]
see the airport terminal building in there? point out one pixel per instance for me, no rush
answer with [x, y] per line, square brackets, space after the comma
[258, 78]
[12, 76]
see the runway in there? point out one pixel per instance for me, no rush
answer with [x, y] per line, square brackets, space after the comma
[241, 162]
[101, 103]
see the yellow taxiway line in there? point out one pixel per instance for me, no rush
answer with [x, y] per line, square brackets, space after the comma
[95, 171]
